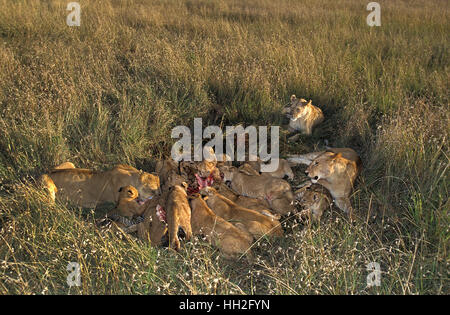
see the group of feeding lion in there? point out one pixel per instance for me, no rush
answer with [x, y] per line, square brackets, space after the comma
[229, 205]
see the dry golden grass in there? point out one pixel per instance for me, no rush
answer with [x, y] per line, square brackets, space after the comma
[112, 89]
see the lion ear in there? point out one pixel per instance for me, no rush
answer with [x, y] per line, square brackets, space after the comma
[310, 102]
[185, 185]
[293, 97]
[337, 155]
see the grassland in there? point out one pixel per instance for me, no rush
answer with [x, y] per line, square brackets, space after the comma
[112, 89]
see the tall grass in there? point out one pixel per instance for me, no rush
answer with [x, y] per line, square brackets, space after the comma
[112, 89]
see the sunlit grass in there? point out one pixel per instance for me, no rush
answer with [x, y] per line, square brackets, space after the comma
[111, 90]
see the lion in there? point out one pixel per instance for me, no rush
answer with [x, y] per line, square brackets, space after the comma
[277, 192]
[128, 211]
[154, 228]
[129, 203]
[167, 171]
[304, 116]
[200, 174]
[259, 205]
[314, 199]
[283, 171]
[178, 215]
[232, 241]
[336, 169]
[88, 188]
[256, 223]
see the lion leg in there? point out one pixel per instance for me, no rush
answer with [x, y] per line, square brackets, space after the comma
[174, 242]
[308, 130]
[143, 231]
[345, 205]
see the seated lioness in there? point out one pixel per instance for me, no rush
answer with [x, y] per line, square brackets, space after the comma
[304, 116]
[336, 169]
[89, 188]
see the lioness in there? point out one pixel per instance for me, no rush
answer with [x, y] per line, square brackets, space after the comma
[256, 223]
[314, 199]
[154, 227]
[200, 174]
[277, 192]
[231, 241]
[88, 188]
[336, 169]
[304, 116]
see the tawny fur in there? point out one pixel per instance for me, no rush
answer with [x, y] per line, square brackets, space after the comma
[336, 169]
[277, 192]
[256, 223]
[304, 116]
[231, 241]
[89, 188]
[178, 215]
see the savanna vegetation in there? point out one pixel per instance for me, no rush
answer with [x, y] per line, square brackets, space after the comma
[111, 90]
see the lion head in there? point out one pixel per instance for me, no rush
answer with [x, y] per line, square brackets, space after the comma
[298, 107]
[128, 192]
[148, 185]
[315, 200]
[326, 165]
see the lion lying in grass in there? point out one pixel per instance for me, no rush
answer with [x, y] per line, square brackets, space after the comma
[277, 192]
[283, 171]
[303, 116]
[89, 188]
[231, 240]
[256, 223]
[336, 169]
[258, 205]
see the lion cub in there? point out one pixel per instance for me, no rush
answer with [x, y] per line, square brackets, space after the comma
[129, 202]
[304, 116]
[231, 241]
[154, 227]
[314, 199]
[178, 215]
[128, 211]
[283, 171]
[277, 192]
[256, 223]
[258, 205]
